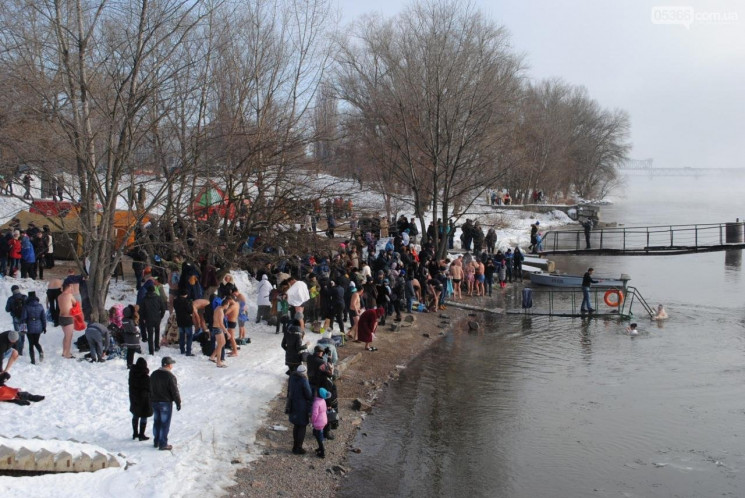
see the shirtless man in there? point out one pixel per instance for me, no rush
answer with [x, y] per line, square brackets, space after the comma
[456, 273]
[242, 316]
[66, 300]
[74, 281]
[219, 332]
[232, 315]
[54, 289]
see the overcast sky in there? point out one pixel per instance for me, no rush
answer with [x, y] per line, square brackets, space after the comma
[683, 86]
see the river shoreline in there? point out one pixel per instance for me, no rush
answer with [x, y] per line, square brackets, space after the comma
[365, 375]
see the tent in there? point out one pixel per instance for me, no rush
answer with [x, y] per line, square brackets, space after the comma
[67, 232]
[123, 221]
[212, 200]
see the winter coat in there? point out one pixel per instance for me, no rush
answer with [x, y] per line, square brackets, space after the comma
[4, 247]
[131, 332]
[265, 288]
[152, 308]
[34, 316]
[14, 249]
[292, 343]
[27, 251]
[139, 392]
[183, 306]
[318, 417]
[299, 398]
[314, 364]
[11, 305]
[164, 387]
[41, 247]
[367, 325]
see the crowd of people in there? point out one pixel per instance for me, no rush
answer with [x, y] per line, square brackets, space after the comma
[371, 277]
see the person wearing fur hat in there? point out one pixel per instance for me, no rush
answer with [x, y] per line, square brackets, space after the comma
[7, 352]
[299, 397]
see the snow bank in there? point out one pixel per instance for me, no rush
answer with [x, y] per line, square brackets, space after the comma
[222, 409]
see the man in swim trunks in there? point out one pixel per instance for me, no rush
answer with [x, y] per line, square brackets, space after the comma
[66, 300]
[232, 315]
[242, 314]
[219, 332]
[456, 272]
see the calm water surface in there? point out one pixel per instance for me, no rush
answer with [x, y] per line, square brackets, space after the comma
[559, 407]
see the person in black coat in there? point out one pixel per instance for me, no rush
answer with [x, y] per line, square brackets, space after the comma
[139, 398]
[292, 343]
[299, 399]
[152, 311]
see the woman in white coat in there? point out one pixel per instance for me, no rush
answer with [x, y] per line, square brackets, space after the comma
[262, 299]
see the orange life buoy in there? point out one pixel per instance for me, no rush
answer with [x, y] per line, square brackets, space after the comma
[613, 303]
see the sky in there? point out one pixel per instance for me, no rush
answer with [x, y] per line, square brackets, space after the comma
[683, 85]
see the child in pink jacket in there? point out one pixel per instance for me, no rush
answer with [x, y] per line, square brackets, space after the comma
[319, 419]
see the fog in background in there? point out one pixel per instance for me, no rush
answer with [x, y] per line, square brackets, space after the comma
[683, 86]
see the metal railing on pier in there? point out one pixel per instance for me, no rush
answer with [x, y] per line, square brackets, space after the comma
[566, 302]
[649, 240]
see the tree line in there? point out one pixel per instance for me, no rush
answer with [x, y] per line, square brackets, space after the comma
[429, 108]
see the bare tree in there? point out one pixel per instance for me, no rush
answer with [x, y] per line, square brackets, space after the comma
[100, 63]
[437, 88]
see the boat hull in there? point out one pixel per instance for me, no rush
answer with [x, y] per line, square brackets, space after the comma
[558, 280]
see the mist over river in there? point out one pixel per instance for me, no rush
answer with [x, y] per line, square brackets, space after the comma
[563, 407]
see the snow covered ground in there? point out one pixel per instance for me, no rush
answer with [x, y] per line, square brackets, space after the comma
[222, 409]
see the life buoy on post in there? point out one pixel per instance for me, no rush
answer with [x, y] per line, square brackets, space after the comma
[610, 300]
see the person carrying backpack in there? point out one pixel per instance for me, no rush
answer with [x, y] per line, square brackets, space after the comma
[14, 306]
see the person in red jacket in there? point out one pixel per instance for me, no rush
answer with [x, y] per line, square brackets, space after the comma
[14, 252]
[15, 395]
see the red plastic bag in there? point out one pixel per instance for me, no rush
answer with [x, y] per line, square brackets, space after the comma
[77, 316]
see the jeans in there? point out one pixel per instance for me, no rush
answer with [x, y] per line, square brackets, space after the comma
[409, 303]
[185, 335]
[586, 299]
[488, 284]
[96, 344]
[162, 411]
[318, 434]
[3, 265]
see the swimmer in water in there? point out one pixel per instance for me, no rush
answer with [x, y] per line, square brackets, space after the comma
[631, 329]
[661, 313]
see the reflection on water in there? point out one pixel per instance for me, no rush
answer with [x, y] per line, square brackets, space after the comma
[540, 406]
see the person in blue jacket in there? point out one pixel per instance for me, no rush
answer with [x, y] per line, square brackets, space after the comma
[34, 318]
[28, 258]
[299, 400]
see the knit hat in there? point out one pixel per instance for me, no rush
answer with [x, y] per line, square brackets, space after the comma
[14, 288]
[12, 336]
[323, 393]
[301, 369]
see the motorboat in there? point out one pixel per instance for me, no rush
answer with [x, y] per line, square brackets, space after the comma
[564, 280]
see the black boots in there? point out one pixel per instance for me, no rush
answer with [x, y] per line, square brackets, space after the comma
[142, 436]
[141, 433]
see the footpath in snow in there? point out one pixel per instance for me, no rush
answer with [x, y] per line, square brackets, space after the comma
[222, 409]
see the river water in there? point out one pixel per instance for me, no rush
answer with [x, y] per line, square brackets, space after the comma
[563, 407]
